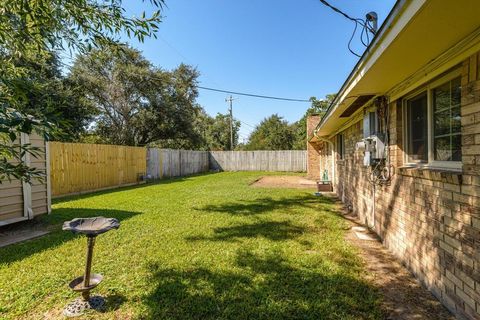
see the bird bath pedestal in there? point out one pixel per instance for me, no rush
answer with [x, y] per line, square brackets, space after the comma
[91, 228]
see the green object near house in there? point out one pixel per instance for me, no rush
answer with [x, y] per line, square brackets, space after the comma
[325, 175]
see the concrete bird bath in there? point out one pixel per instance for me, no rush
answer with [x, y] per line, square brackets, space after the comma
[90, 227]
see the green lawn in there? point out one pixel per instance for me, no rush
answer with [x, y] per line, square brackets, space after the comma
[203, 247]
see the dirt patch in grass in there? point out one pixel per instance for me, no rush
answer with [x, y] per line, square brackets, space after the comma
[296, 182]
[403, 296]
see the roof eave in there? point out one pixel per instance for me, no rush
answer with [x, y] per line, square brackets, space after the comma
[387, 25]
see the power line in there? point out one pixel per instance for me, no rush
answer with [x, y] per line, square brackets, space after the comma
[366, 27]
[252, 95]
[180, 54]
[247, 124]
[243, 135]
[173, 48]
[228, 91]
[356, 20]
[350, 42]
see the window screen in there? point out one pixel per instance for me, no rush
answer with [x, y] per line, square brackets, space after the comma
[447, 142]
[417, 126]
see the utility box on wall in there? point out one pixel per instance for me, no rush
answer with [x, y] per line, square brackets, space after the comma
[373, 142]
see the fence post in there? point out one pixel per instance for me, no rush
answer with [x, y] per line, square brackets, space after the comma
[48, 178]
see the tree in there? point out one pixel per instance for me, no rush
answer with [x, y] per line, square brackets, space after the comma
[137, 103]
[318, 107]
[12, 166]
[273, 133]
[32, 30]
[218, 135]
[52, 95]
[202, 125]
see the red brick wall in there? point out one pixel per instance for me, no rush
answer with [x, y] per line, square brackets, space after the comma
[429, 219]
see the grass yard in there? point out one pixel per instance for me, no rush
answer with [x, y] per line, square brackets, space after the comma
[203, 247]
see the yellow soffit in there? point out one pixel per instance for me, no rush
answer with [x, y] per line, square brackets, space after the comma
[420, 41]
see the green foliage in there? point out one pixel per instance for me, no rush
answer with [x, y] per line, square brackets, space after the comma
[273, 133]
[12, 152]
[30, 30]
[36, 25]
[138, 103]
[318, 107]
[218, 133]
[51, 95]
[203, 247]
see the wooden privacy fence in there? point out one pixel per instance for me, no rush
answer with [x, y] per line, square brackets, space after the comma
[78, 167]
[166, 163]
[288, 160]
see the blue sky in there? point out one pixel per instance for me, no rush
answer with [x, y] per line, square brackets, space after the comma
[286, 48]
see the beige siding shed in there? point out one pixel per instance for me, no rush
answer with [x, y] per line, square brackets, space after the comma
[22, 201]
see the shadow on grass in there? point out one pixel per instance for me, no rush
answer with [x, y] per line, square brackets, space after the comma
[261, 287]
[113, 301]
[125, 188]
[272, 230]
[56, 237]
[265, 205]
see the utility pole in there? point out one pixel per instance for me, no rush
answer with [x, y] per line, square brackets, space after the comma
[230, 109]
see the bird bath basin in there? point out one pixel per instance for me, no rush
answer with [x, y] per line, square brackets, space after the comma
[91, 228]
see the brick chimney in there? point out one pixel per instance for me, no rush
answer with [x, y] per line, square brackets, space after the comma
[313, 149]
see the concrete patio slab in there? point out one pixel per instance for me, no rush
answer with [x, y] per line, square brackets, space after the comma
[11, 238]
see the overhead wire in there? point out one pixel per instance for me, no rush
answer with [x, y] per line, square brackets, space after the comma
[364, 24]
[366, 28]
[180, 54]
[339, 11]
[362, 34]
[350, 42]
[229, 91]
[252, 95]
[249, 125]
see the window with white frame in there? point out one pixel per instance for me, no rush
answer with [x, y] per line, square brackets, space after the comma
[432, 124]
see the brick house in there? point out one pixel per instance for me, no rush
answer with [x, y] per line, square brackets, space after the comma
[401, 144]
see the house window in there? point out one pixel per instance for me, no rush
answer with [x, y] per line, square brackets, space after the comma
[432, 124]
[370, 124]
[341, 146]
[447, 139]
[417, 137]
